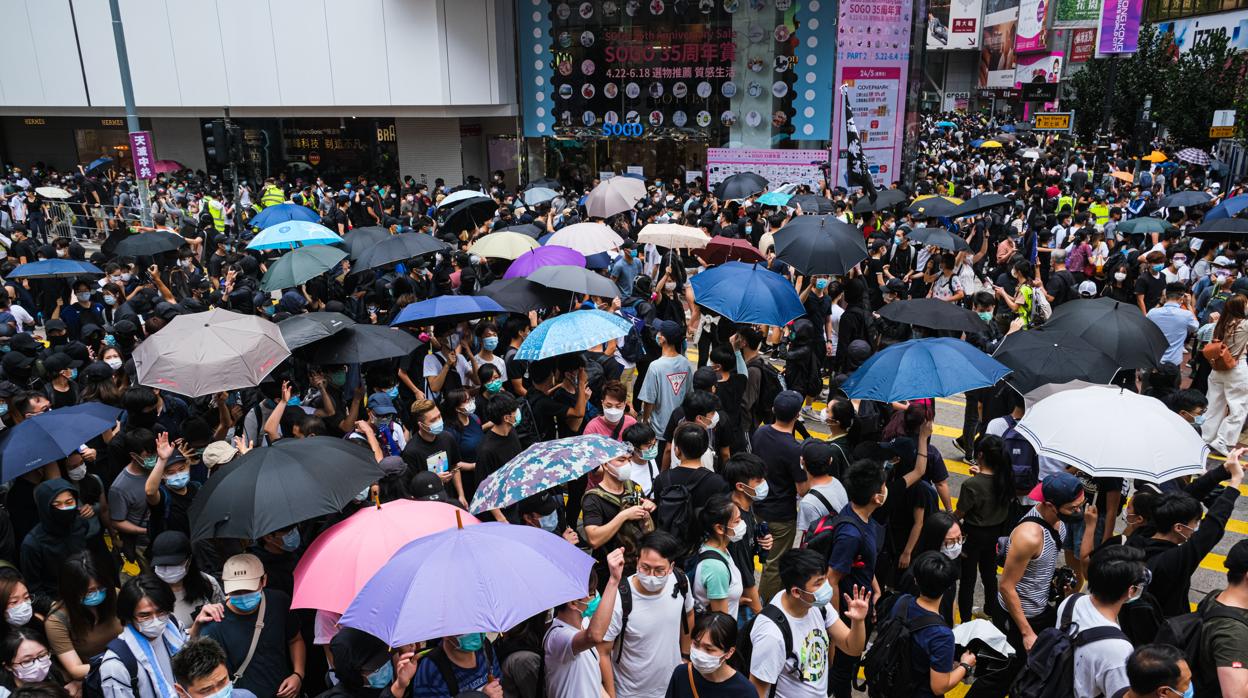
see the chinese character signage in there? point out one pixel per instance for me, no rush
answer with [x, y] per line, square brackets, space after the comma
[1120, 26]
[790, 166]
[953, 24]
[144, 154]
[1072, 13]
[1082, 45]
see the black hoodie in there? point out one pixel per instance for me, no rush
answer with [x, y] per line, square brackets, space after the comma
[1173, 565]
[55, 538]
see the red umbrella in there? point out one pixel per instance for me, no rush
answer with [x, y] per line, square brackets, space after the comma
[725, 249]
[163, 166]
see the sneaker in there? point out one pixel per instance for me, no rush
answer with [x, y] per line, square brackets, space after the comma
[808, 412]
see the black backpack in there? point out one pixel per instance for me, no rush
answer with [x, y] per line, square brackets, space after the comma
[1185, 632]
[675, 513]
[770, 384]
[681, 589]
[887, 665]
[821, 533]
[1050, 668]
[745, 645]
[633, 348]
[93, 685]
[1024, 463]
[438, 656]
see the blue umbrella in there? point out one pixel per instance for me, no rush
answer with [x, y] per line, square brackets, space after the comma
[923, 368]
[774, 198]
[54, 269]
[602, 260]
[747, 293]
[545, 238]
[52, 435]
[572, 332]
[98, 162]
[1008, 128]
[977, 142]
[447, 309]
[293, 234]
[946, 124]
[1228, 208]
[283, 213]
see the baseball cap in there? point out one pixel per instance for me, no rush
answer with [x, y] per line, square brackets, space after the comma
[671, 331]
[55, 363]
[218, 453]
[1087, 289]
[242, 573]
[16, 361]
[98, 371]
[787, 404]
[56, 324]
[541, 504]
[380, 403]
[1237, 558]
[1223, 261]
[392, 465]
[426, 487]
[1058, 489]
[170, 548]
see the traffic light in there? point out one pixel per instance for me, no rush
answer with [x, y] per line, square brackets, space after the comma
[215, 142]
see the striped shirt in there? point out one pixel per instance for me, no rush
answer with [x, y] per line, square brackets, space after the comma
[1033, 588]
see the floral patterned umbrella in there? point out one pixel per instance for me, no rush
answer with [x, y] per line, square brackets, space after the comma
[542, 466]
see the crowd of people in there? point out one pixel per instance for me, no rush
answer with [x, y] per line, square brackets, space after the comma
[765, 535]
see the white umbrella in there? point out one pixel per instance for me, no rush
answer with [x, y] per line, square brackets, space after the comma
[673, 235]
[457, 196]
[587, 238]
[1106, 431]
[52, 192]
[613, 196]
[1032, 397]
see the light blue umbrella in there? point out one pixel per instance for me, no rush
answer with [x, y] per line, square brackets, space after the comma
[747, 293]
[293, 234]
[774, 198]
[282, 213]
[54, 269]
[572, 332]
[1228, 208]
[946, 124]
[923, 368]
[538, 195]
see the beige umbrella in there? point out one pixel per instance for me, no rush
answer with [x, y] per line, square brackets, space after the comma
[211, 352]
[613, 196]
[587, 238]
[503, 245]
[673, 235]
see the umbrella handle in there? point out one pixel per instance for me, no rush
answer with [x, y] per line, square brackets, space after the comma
[459, 520]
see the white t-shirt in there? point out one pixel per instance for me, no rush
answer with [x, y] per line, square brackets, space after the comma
[498, 361]
[709, 581]
[811, 646]
[325, 627]
[810, 509]
[651, 640]
[1100, 667]
[570, 675]
[433, 366]
[835, 318]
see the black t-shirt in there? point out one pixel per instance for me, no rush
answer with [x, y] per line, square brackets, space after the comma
[818, 308]
[270, 665]
[22, 249]
[1151, 287]
[782, 455]
[172, 512]
[419, 454]
[549, 414]
[737, 685]
[494, 451]
[744, 550]
[1061, 286]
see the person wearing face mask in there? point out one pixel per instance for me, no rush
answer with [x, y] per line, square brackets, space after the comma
[822, 461]
[435, 449]
[84, 619]
[19, 605]
[173, 563]
[1151, 283]
[798, 666]
[500, 443]
[932, 671]
[83, 310]
[62, 387]
[745, 473]
[708, 672]
[26, 659]
[650, 620]
[276, 667]
[199, 671]
[277, 551]
[572, 670]
[1161, 671]
[614, 420]
[457, 664]
[169, 490]
[716, 580]
[941, 533]
[128, 509]
[614, 514]
[487, 335]
[137, 663]
[60, 533]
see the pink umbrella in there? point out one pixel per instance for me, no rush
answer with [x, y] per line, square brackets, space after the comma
[343, 558]
[163, 166]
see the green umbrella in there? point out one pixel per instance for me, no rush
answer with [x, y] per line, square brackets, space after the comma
[301, 264]
[1144, 226]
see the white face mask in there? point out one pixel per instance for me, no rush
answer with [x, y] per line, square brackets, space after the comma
[623, 471]
[714, 421]
[172, 574]
[1120, 276]
[704, 662]
[153, 627]
[20, 614]
[613, 414]
[951, 551]
[77, 473]
[760, 492]
[650, 583]
[738, 531]
[669, 286]
[470, 407]
[113, 362]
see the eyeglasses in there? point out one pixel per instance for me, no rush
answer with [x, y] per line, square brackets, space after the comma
[148, 615]
[955, 541]
[38, 658]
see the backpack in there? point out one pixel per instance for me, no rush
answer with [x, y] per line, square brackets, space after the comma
[887, 665]
[821, 533]
[1050, 668]
[1003, 542]
[438, 656]
[93, 685]
[740, 659]
[633, 348]
[626, 606]
[1024, 462]
[1186, 631]
[675, 513]
[692, 572]
[770, 384]
[1041, 311]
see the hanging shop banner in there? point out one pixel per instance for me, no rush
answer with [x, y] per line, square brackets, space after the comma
[1120, 26]
[953, 24]
[997, 58]
[1189, 32]
[1082, 45]
[1032, 26]
[873, 55]
[778, 166]
[1077, 13]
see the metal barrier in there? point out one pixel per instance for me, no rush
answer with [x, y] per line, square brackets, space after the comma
[69, 221]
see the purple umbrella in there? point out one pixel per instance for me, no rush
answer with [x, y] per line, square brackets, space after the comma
[548, 256]
[484, 578]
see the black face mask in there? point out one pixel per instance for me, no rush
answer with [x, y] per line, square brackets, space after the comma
[1071, 518]
[143, 420]
[58, 340]
[63, 519]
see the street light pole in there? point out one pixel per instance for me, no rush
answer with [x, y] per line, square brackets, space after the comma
[127, 92]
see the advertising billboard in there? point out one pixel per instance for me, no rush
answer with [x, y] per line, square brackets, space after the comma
[953, 24]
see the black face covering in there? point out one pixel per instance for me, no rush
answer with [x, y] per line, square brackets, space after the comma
[63, 519]
[58, 340]
[145, 420]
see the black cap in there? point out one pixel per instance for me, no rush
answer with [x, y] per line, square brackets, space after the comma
[56, 324]
[426, 486]
[170, 548]
[78, 352]
[125, 326]
[91, 328]
[98, 371]
[26, 344]
[16, 361]
[55, 363]
[541, 504]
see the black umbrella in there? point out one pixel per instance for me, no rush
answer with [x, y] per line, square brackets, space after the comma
[524, 229]
[149, 244]
[1186, 198]
[812, 203]
[564, 277]
[1221, 229]
[820, 245]
[397, 248]
[271, 488]
[357, 241]
[521, 295]
[938, 237]
[885, 199]
[933, 207]
[302, 330]
[740, 186]
[470, 213]
[1118, 329]
[359, 344]
[546, 182]
[933, 313]
[979, 204]
[1042, 356]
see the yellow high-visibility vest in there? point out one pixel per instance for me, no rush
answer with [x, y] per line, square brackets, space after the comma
[217, 211]
[272, 196]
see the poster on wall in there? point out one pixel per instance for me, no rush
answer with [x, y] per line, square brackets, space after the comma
[1076, 13]
[873, 54]
[1032, 31]
[953, 24]
[1191, 31]
[1082, 45]
[997, 58]
[778, 166]
[1120, 26]
[957, 101]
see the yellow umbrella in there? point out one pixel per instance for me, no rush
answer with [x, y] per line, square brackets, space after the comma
[1155, 156]
[1123, 176]
[504, 245]
[954, 199]
[990, 144]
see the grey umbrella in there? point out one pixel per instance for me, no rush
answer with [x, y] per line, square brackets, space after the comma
[211, 352]
[301, 330]
[360, 239]
[575, 280]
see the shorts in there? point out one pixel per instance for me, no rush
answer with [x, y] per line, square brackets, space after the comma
[1073, 538]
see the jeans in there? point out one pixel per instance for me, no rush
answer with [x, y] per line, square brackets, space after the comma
[1228, 405]
[783, 534]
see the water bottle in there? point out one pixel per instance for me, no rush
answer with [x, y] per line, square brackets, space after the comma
[761, 530]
